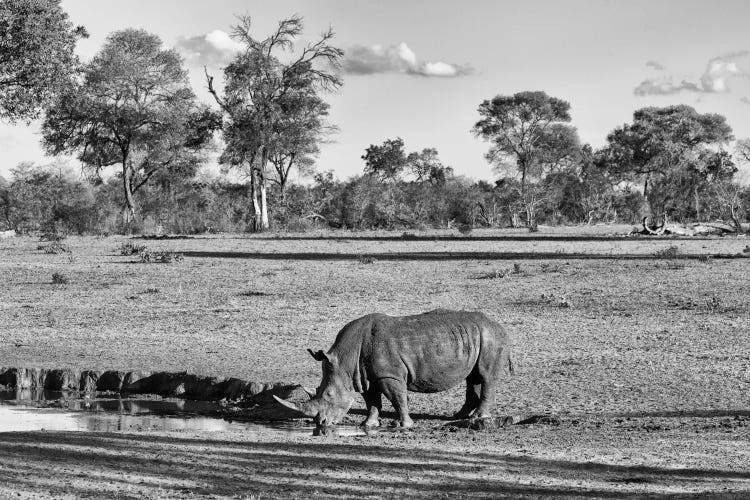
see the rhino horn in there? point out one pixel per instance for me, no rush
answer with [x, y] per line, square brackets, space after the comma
[302, 408]
[310, 391]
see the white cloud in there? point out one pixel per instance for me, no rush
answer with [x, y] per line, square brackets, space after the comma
[222, 41]
[664, 86]
[216, 48]
[715, 79]
[406, 54]
[720, 70]
[362, 60]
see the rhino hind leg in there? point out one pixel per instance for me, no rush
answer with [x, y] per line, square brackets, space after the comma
[473, 398]
[488, 370]
[395, 391]
[374, 403]
[487, 400]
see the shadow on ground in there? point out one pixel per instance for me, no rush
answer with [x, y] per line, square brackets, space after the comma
[427, 237]
[443, 256]
[89, 465]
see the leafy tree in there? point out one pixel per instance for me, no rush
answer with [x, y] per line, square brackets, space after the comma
[49, 197]
[259, 91]
[387, 161]
[37, 58]
[426, 167]
[5, 203]
[528, 129]
[559, 149]
[672, 149]
[299, 131]
[134, 108]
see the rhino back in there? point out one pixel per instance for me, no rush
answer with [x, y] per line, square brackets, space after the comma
[433, 351]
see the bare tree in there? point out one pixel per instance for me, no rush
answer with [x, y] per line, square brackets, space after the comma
[259, 91]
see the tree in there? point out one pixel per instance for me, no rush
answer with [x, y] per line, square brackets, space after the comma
[675, 149]
[526, 128]
[49, 197]
[260, 89]
[134, 108]
[427, 167]
[743, 150]
[37, 57]
[386, 162]
[298, 133]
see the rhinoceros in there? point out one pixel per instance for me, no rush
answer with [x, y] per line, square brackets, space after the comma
[378, 355]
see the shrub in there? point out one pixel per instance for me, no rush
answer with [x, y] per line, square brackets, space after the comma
[496, 274]
[465, 229]
[129, 248]
[54, 247]
[161, 256]
[59, 279]
[52, 235]
[667, 253]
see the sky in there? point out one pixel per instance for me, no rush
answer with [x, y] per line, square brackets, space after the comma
[419, 69]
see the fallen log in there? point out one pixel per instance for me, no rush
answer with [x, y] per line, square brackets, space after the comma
[693, 229]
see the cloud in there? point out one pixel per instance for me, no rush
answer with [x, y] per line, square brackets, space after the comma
[664, 86]
[715, 79]
[216, 48]
[655, 65]
[362, 60]
[720, 70]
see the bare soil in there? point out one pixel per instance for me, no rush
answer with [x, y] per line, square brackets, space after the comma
[640, 350]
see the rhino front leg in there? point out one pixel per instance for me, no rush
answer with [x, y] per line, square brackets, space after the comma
[374, 402]
[395, 391]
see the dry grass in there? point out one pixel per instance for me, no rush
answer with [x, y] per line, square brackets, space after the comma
[624, 333]
[634, 325]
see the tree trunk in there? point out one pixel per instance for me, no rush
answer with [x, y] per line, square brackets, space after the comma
[697, 199]
[646, 206]
[254, 197]
[735, 220]
[128, 212]
[264, 225]
[284, 176]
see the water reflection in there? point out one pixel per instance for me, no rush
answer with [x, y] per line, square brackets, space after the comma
[74, 402]
[111, 415]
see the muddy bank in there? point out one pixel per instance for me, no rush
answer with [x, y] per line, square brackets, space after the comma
[165, 384]
[240, 399]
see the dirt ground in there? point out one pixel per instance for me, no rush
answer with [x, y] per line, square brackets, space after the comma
[639, 346]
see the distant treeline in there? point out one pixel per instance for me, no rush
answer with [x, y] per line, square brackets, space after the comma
[53, 198]
[131, 108]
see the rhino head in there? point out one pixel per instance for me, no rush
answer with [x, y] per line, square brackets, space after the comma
[332, 399]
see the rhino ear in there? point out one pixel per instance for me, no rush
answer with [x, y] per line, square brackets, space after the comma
[319, 356]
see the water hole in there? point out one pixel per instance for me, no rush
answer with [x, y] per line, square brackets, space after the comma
[25, 411]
